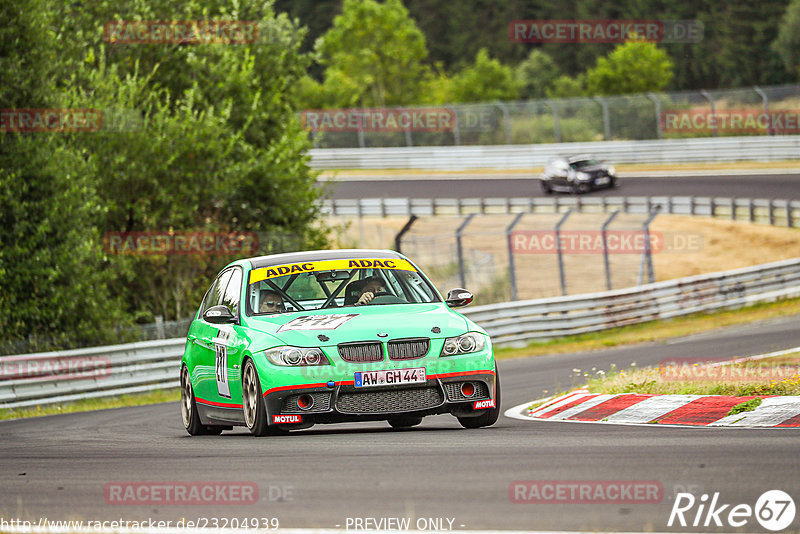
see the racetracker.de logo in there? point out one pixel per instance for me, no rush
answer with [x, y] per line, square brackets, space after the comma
[731, 120]
[724, 370]
[604, 31]
[585, 491]
[54, 368]
[180, 243]
[180, 493]
[379, 120]
[50, 120]
[595, 242]
[187, 32]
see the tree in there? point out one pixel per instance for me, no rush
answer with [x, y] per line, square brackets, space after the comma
[536, 74]
[634, 67]
[485, 80]
[787, 44]
[380, 49]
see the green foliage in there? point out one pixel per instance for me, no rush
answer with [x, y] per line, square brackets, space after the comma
[194, 138]
[633, 67]
[567, 87]
[787, 43]
[377, 48]
[536, 74]
[484, 81]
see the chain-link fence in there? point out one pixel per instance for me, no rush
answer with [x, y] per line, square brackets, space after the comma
[733, 112]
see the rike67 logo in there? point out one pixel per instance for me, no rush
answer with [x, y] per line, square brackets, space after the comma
[774, 510]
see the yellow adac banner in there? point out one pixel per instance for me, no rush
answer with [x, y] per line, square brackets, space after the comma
[265, 273]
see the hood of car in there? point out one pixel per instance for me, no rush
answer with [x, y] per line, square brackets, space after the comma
[360, 323]
[591, 169]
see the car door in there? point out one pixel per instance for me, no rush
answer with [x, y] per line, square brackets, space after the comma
[205, 338]
[229, 345]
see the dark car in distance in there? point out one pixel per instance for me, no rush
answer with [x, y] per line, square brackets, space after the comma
[577, 174]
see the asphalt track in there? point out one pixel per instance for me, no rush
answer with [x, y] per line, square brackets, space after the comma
[779, 186]
[57, 466]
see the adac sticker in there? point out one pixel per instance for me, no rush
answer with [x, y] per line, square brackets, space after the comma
[483, 404]
[265, 273]
[282, 419]
[317, 322]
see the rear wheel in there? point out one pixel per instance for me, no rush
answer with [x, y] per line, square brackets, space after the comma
[404, 421]
[490, 417]
[191, 419]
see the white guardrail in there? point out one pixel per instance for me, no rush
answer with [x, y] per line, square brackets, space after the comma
[62, 376]
[710, 149]
[771, 211]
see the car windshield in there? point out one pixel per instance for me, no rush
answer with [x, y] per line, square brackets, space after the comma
[580, 164]
[309, 286]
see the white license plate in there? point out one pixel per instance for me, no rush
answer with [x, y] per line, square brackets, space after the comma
[602, 180]
[390, 377]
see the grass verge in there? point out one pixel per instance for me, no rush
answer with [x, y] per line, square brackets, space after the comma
[768, 376]
[654, 330]
[86, 405]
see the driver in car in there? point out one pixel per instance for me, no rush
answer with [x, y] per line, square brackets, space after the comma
[373, 287]
[270, 302]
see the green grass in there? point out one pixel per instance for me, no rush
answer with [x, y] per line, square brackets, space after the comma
[747, 406]
[653, 331]
[138, 399]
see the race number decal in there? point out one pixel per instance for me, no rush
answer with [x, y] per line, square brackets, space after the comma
[221, 363]
[317, 322]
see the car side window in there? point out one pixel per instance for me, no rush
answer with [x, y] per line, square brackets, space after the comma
[214, 294]
[230, 297]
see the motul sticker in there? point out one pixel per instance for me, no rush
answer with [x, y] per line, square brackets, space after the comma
[480, 405]
[278, 419]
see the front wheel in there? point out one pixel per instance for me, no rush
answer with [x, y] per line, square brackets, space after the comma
[546, 189]
[255, 413]
[191, 419]
[491, 415]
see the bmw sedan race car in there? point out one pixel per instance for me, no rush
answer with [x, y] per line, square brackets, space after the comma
[286, 341]
[577, 174]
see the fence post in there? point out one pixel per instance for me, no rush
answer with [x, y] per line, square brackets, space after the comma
[765, 100]
[733, 209]
[657, 104]
[707, 96]
[789, 220]
[456, 132]
[561, 276]
[556, 124]
[360, 132]
[506, 120]
[399, 237]
[647, 254]
[606, 119]
[409, 141]
[511, 271]
[752, 210]
[460, 250]
[604, 231]
[772, 212]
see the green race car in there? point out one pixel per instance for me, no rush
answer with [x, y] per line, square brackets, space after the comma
[285, 341]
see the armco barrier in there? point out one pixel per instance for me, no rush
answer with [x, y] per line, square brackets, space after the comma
[144, 366]
[770, 211]
[710, 149]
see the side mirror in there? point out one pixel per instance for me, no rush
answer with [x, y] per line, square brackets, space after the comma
[458, 297]
[219, 315]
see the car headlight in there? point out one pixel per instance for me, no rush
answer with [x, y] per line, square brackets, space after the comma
[612, 171]
[463, 344]
[582, 176]
[296, 356]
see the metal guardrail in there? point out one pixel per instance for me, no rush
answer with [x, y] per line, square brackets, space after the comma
[709, 149]
[519, 322]
[771, 211]
[51, 377]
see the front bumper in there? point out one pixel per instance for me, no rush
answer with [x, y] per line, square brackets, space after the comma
[343, 402]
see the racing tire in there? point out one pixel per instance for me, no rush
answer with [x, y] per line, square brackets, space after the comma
[491, 415]
[578, 189]
[404, 422]
[191, 419]
[255, 412]
[546, 189]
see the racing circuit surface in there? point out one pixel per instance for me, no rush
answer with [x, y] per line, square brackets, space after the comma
[756, 185]
[57, 466]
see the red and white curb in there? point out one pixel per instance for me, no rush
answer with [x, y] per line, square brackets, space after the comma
[681, 410]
